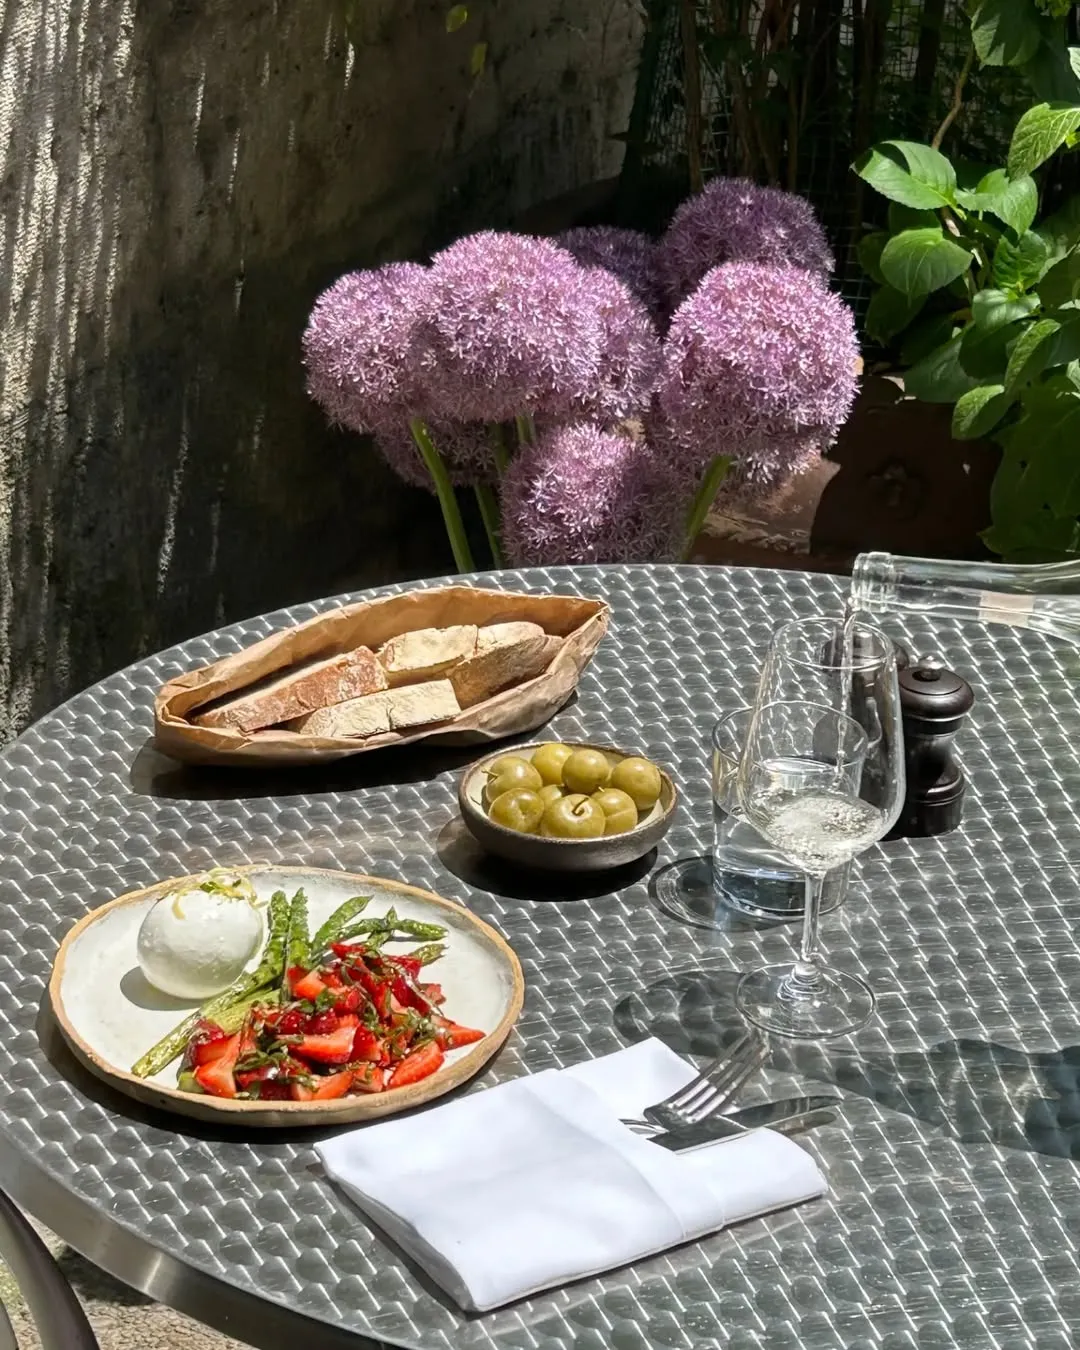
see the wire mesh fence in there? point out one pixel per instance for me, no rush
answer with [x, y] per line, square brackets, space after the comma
[789, 92]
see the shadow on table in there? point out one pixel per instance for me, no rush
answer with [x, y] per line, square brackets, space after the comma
[155, 775]
[460, 854]
[973, 1091]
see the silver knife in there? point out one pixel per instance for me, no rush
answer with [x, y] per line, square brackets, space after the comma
[787, 1116]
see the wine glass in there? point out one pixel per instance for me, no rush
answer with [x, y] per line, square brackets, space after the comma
[819, 801]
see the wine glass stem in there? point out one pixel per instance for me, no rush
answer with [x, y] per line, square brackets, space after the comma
[804, 973]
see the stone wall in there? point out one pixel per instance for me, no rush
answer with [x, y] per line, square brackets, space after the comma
[181, 178]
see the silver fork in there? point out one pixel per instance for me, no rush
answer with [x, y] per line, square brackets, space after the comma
[709, 1092]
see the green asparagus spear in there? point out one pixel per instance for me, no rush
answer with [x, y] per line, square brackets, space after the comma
[299, 941]
[362, 929]
[233, 1017]
[429, 932]
[268, 971]
[333, 929]
[427, 955]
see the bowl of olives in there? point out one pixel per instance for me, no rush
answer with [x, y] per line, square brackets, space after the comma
[567, 807]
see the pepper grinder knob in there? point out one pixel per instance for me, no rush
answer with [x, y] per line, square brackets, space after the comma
[934, 702]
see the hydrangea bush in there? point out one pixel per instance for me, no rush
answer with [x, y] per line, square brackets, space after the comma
[594, 390]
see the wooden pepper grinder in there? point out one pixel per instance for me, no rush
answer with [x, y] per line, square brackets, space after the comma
[935, 702]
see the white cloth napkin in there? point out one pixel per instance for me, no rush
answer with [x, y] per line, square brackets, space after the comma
[535, 1183]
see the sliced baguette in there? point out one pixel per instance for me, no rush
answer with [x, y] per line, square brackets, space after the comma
[500, 634]
[501, 666]
[296, 691]
[426, 653]
[415, 705]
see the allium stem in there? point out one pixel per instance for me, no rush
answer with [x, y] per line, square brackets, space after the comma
[444, 490]
[525, 429]
[703, 499]
[498, 447]
[489, 513]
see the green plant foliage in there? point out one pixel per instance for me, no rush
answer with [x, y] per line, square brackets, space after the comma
[981, 298]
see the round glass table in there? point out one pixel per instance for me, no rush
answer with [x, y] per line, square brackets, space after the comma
[954, 1209]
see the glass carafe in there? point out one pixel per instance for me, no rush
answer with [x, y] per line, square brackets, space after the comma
[1042, 596]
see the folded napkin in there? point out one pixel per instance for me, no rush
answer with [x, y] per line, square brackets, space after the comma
[535, 1183]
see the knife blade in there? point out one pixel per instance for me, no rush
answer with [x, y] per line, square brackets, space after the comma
[792, 1112]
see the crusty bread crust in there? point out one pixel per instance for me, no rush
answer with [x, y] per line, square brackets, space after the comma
[296, 691]
[413, 705]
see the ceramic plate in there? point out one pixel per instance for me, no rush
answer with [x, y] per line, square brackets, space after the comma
[110, 1015]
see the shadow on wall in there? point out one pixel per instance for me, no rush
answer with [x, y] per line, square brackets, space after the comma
[180, 181]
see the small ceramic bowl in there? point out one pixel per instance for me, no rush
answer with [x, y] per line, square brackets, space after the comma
[563, 855]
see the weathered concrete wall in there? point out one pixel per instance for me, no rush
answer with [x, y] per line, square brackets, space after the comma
[181, 178]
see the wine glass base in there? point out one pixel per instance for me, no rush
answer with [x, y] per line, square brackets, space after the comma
[836, 1005]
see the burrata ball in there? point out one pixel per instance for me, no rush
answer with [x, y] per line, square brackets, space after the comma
[195, 943]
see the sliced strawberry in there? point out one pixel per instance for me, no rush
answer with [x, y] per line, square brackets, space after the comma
[377, 990]
[345, 950]
[333, 1049]
[248, 1042]
[410, 965]
[274, 1090]
[367, 1046]
[300, 1092]
[333, 1085]
[322, 1024]
[217, 1076]
[293, 1022]
[308, 986]
[208, 1042]
[419, 1064]
[331, 978]
[367, 1078]
[433, 993]
[451, 1036]
[349, 1001]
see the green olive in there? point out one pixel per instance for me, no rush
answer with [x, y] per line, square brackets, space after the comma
[639, 779]
[619, 810]
[585, 771]
[516, 773]
[518, 809]
[573, 817]
[549, 759]
[550, 792]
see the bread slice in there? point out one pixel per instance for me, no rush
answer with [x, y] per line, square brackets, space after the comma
[503, 664]
[416, 705]
[500, 634]
[297, 690]
[426, 653]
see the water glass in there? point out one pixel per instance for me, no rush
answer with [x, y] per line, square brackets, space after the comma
[749, 875]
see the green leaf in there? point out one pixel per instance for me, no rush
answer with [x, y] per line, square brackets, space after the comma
[869, 253]
[984, 353]
[1041, 450]
[1053, 72]
[1014, 201]
[1065, 349]
[907, 218]
[1030, 353]
[1005, 32]
[478, 58]
[911, 174]
[456, 18]
[979, 411]
[939, 377]
[1041, 131]
[920, 261]
[890, 312]
[1060, 285]
[926, 335]
[1018, 266]
[992, 309]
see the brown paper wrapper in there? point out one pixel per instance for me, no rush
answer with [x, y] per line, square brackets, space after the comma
[579, 622]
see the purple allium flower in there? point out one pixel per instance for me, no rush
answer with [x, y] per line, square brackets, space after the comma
[760, 364]
[466, 449]
[630, 353]
[629, 254]
[357, 343]
[507, 331]
[734, 220]
[585, 495]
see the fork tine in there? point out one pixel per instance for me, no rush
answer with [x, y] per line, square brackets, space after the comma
[724, 1077]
